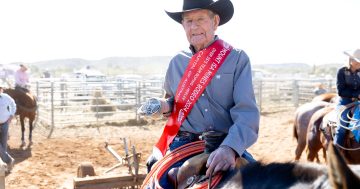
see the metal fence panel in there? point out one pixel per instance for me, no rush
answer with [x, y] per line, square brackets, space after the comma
[64, 103]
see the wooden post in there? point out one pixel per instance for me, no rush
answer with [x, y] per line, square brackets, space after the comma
[2, 174]
[295, 93]
[260, 88]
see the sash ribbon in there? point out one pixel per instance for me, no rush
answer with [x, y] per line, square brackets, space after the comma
[198, 74]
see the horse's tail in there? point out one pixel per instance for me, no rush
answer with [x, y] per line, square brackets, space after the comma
[294, 127]
[295, 132]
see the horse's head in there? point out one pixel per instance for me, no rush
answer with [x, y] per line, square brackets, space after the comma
[327, 97]
[340, 174]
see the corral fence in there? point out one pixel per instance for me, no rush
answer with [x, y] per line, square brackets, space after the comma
[70, 103]
[67, 103]
[280, 94]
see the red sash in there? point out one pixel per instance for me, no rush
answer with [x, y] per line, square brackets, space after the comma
[198, 74]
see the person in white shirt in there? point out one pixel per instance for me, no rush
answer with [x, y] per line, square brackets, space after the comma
[7, 113]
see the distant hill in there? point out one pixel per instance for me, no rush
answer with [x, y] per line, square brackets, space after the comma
[296, 68]
[284, 67]
[158, 64]
[110, 66]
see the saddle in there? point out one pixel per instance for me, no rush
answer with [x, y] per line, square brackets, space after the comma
[193, 171]
[329, 123]
[331, 120]
[22, 89]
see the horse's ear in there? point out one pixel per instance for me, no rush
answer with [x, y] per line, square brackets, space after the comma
[340, 175]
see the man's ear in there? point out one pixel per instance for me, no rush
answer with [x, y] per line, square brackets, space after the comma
[216, 21]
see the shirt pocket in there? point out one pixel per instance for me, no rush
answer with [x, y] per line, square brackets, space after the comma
[222, 87]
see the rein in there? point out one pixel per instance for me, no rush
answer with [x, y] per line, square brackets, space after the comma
[348, 106]
[348, 149]
[160, 167]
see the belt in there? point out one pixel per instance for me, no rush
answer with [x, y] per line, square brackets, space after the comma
[186, 134]
[352, 99]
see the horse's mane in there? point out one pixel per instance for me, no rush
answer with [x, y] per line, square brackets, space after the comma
[276, 175]
[337, 174]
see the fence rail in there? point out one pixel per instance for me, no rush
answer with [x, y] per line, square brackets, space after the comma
[287, 93]
[72, 103]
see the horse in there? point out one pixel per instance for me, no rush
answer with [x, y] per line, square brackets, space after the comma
[336, 174]
[302, 118]
[327, 97]
[26, 107]
[314, 141]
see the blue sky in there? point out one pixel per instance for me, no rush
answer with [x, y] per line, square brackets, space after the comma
[276, 31]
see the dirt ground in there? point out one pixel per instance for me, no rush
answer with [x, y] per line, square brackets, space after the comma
[52, 163]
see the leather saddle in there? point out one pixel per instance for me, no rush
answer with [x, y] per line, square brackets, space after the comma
[193, 171]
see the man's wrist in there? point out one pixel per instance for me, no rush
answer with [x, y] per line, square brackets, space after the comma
[229, 150]
[168, 105]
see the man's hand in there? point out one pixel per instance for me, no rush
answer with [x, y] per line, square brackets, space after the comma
[154, 107]
[222, 159]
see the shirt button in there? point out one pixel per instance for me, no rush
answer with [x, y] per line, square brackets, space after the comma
[202, 94]
[206, 110]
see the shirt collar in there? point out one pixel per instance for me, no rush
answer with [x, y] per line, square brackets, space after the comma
[192, 48]
[349, 69]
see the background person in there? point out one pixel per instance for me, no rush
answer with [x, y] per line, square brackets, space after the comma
[22, 78]
[7, 113]
[46, 74]
[320, 89]
[348, 87]
[226, 104]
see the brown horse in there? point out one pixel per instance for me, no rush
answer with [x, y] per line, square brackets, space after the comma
[314, 134]
[26, 107]
[327, 97]
[302, 118]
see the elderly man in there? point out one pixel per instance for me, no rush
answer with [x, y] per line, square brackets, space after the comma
[208, 88]
[7, 112]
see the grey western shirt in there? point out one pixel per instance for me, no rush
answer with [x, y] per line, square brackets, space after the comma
[227, 104]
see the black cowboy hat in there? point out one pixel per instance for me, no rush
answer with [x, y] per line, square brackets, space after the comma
[224, 8]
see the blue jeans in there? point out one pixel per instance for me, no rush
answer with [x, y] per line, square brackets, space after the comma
[180, 141]
[5, 156]
[355, 123]
[340, 132]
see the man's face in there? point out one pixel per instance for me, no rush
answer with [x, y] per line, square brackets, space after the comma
[200, 27]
